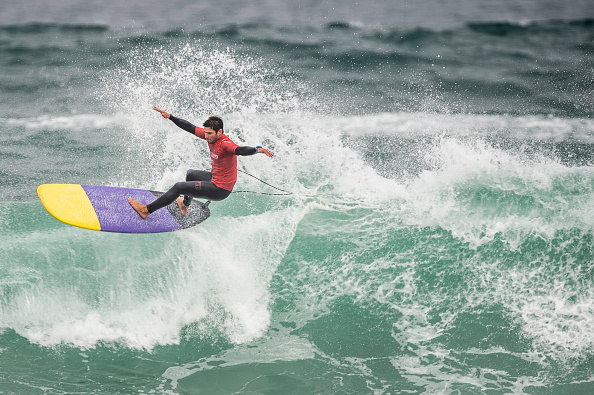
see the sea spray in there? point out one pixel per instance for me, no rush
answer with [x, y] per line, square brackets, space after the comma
[101, 288]
[193, 81]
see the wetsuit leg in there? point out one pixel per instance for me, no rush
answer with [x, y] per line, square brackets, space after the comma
[196, 175]
[196, 189]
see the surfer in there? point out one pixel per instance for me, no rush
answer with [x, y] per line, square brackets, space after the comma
[216, 184]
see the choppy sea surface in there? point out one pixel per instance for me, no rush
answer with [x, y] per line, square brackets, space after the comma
[438, 239]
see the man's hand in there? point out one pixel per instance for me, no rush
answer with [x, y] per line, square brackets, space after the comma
[163, 113]
[265, 151]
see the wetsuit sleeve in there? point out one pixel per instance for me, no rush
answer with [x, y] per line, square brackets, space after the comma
[187, 126]
[245, 151]
[182, 123]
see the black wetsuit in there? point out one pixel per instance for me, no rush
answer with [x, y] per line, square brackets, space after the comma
[198, 183]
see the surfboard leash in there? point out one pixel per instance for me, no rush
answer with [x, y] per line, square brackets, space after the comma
[286, 193]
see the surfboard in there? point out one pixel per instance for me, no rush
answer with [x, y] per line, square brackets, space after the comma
[106, 209]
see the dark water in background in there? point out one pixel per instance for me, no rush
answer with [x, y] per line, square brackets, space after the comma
[435, 14]
[439, 239]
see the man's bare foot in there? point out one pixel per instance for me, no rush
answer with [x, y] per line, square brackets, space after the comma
[182, 207]
[139, 208]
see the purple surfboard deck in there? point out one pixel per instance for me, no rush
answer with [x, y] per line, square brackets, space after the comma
[116, 215]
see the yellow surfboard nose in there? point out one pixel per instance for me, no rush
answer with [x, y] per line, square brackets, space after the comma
[70, 204]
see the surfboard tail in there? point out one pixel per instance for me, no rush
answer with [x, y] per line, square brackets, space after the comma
[70, 204]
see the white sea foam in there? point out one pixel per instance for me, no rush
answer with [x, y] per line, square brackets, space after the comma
[530, 127]
[555, 309]
[98, 288]
[477, 191]
[281, 347]
[75, 122]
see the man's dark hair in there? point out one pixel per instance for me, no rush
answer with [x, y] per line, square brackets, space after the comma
[215, 123]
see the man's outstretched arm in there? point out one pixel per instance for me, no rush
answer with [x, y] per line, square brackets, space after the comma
[245, 151]
[182, 123]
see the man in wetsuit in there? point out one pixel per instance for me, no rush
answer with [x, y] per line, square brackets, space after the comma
[216, 184]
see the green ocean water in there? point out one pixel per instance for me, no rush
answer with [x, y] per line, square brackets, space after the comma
[438, 238]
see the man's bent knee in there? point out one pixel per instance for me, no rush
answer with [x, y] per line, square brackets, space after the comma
[178, 187]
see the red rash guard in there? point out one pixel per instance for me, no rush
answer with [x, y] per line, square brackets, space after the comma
[223, 160]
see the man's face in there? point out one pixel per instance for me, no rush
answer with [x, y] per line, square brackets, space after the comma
[211, 136]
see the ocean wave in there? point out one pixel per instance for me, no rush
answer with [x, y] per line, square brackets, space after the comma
[472, 68]
[77, 122]
[242, 30]
[511, 28]
[200, 284]
[49, 27]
